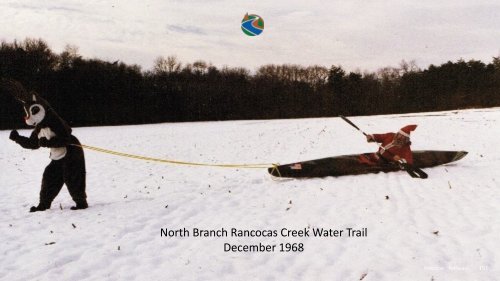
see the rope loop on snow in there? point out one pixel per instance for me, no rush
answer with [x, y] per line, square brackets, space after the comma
[176, 162]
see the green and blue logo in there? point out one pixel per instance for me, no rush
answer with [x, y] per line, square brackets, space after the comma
[252, 25]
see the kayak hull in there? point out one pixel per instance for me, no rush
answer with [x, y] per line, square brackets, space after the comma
[353, 164]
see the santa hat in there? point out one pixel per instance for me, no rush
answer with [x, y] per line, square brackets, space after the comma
[405, 131]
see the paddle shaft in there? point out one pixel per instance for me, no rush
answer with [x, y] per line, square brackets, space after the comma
[352, 124]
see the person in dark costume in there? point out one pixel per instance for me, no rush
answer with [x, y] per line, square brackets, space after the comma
[68, 161]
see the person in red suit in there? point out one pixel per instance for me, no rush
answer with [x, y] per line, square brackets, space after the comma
[394, 147]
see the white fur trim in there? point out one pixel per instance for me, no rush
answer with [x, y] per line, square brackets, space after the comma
[403, 133]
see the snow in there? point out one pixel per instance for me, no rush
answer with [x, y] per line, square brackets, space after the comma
[443, 228]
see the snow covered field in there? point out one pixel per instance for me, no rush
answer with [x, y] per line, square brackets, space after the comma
[446, 227]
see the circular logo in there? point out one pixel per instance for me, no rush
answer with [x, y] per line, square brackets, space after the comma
[252, 25]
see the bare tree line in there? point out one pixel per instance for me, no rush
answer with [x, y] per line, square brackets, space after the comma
[96, 92]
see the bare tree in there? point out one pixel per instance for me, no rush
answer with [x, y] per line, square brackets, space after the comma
[408, 67]
[316, 75]
[200, 67]
[167, 65]
[388, 74]
[68, 57]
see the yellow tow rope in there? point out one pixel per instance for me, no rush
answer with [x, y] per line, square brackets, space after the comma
[244, 166]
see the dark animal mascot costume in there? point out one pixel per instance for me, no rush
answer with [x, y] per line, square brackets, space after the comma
[68, 162]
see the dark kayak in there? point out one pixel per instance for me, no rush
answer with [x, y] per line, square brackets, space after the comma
[357, 164]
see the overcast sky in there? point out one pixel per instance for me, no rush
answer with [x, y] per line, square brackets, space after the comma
[364, 35]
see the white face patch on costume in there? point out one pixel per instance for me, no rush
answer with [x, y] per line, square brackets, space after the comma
[35, 114]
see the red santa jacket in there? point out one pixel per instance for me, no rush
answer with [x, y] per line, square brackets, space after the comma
[388, 149]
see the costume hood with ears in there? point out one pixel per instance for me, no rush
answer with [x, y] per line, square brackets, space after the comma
[35, 106]
[406, 130]
[36, 110]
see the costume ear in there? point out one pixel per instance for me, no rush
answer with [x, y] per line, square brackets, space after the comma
[15, 88]
[36, 98]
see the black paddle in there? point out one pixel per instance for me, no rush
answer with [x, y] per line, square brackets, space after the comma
[413, 171]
